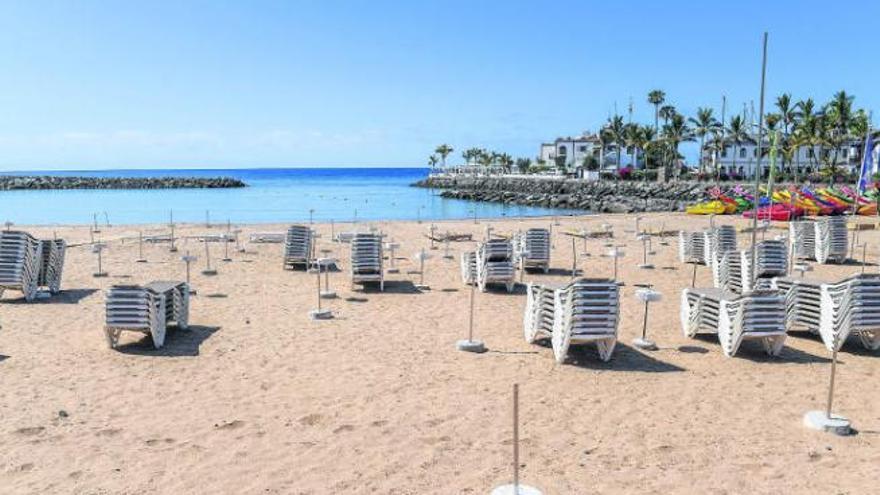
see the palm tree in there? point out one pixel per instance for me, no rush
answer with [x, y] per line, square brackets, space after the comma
[616, 130]
[666, 113]
[432, 162]
[675, 133]
[506, 162]
[644, 137]
[806, 127]
[704, 124]
[523, 165]
[788, 114]
[737, 134]
[471, 155]
[444, 150]
[486, 158]
[656, 97]
[632, 134]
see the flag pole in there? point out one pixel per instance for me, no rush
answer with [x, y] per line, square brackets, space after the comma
[758, 164]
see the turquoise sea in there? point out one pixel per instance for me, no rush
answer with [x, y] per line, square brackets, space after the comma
[273, 195]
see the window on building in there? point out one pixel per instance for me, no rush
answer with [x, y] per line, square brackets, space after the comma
[562, 151]
[811, 153]
[582, 148]
[724, 152]
[742, 152]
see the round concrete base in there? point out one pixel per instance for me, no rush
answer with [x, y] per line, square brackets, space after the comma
[328, 294]
[173, 250]
[209, 273]
[448, 257]
[470, 346]
[99, 274]
[646, 266]
[226, 259]
[644, 344]
[817, 420]
[393, 270]
[519, 490]
[423, 287]
[140, 261]
[320, 314]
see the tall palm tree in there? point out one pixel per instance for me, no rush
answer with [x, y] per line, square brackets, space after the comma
[675, 133]
[656, 97]
[840, 116]
[644, 137]
[703, 124]
[788, 115]
[432, 162]
[737, 134]
[616, 130]
[806, 128]
[444, 150]
[506, 162]
[667, 112]
[632, 134]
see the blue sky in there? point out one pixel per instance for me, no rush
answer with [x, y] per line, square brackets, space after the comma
[91, 85]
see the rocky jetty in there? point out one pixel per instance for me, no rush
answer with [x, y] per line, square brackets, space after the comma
[557, 192]
[43, 182]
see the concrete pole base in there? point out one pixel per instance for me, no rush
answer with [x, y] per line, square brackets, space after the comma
[173, 250]
[226, 259]
[817, 420]
[141, 260]
[518, 490]
[423, 286]
[99, 274]
[644, 344]
[209, 273]
[470, 346]
[393, 270]
[328, 294]
[646, 266]
[320, 314]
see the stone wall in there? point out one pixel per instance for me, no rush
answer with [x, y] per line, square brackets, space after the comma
[12, 182]
[600, 196]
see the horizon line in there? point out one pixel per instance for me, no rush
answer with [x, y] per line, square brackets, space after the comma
[144, 169]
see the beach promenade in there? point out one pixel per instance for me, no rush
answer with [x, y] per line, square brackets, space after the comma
[257, 398]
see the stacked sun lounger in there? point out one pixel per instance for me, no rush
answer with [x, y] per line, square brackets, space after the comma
[297, 247]
[51, 264]
[495, 264]
[757, 315]
[585, 311]
[147, 309]
[366, 259]
[716, 242]
[835, 310]
[533, 249]
[823, 240]
[691, 247]
[20, 260]
[469, 267]
[734, 272]
[267, 238]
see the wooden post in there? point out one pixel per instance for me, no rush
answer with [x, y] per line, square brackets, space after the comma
[516, 438]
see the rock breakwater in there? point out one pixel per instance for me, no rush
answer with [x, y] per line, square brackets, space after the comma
[599, 196]
[44, 182]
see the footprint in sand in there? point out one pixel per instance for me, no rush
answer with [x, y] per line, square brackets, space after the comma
[109, 432]
[381, 422]
[230, 425]
[343, 428]
[31, 430]
[311, 419]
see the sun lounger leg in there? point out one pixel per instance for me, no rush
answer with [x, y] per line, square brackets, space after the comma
[774, 345]
[606, 348]
[112, 336]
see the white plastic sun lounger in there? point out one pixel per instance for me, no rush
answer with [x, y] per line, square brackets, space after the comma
[495, 264]
[735, 318]
[20, 260]
[584, 312]
[716, 242]
[366, 259]
[149, 309]
[267, 237]
[733, 273]
[823, 239]
[298, 247]
[691, 247]
[533, 249]
[52, 265]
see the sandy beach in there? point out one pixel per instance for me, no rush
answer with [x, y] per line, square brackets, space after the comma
[257, 398]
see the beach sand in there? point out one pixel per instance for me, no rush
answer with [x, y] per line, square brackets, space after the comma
[256, 398]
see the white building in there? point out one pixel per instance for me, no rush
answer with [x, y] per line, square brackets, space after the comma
[571, 151]
[740, 160]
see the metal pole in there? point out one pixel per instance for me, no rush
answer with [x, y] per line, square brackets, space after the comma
[141, 244]
[471, 318]
[100, 270]
[318, 275]
[864, 254]
[694, 277]
[758, 164]
[831, 382]
[422, 267]
[573, 258]
[207, 255]
[516, 438]
[615, 265]
[207, 219]
[645, 322]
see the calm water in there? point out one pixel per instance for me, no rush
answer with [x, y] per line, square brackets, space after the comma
[273, 195]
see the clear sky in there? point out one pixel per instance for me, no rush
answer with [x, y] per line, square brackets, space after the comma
[154, 84]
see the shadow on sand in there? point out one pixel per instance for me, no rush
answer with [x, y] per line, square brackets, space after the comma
[72, 296]
[753, 350]
[178, 343]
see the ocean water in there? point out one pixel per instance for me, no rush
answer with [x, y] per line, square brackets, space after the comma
[273, 195]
